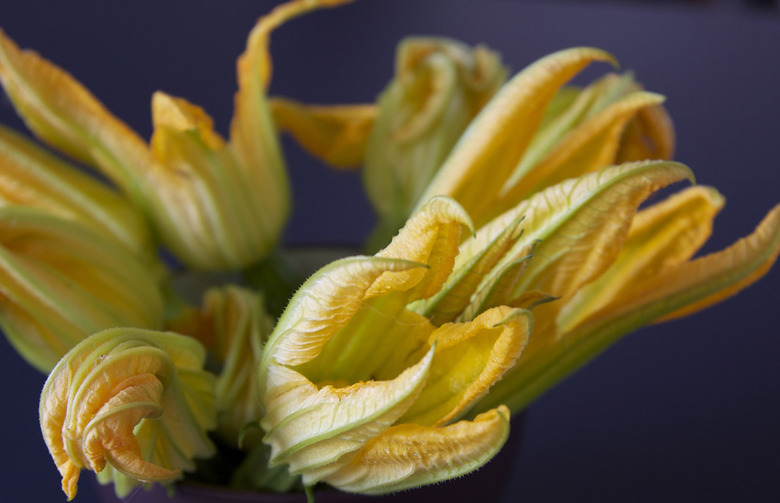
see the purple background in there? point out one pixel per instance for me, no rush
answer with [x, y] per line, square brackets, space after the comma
[686, 411]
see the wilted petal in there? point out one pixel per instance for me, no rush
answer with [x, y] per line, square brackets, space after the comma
[335, 134]
[135, 399]
[408, 455]
[649, 135]
[493, 145]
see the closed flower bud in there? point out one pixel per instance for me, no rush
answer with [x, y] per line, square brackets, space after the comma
[61, 281]
[439, 86]
[132, 405]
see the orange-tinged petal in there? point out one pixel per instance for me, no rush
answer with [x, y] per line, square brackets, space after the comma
[649, 135]
[408, 455]
[335, 134]
[135, 399]
[494, 143]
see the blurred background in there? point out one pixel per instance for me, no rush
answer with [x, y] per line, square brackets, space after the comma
[684, 411]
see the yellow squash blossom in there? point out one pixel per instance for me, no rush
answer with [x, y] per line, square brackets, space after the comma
[61, 281]
[361, 392]
[518, 145]
[215, 204]
[132, 405]
[29, 176]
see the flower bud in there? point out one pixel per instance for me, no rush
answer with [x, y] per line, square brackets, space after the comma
[61, 281]
[439, 86]
[132, 405]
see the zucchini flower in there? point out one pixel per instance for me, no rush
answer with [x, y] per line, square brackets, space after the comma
[215, 204]
[438, 88]
[132, 405]
[233, 327]
[593, 271]
[534, 134]
[361, 392]
[34, 178]
[61, 281]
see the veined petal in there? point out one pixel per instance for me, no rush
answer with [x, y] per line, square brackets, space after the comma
[61, 281]
[691, 286]
[590, 146]
[308, 427]
[206, 203]
[324, 305]
[475, 260]
[62, 112]
[677, 291]
[335, 134]
[494, 143]
[431, 236]
[470, 357]
[408, 455]
[661, 236]
[581, 224]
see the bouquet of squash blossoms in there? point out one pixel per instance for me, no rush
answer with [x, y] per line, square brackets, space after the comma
[510, 249]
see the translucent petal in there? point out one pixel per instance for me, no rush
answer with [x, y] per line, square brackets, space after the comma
[335, 134]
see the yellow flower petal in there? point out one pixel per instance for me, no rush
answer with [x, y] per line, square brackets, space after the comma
[309, 427]
[590, 146]
[649, 135]
[61, 281]
[32, 177]
[63, 113]
[431, 236]
[581, 224]
[697, 284]
[475, 260]
[335, 134]
[493, 145]
[135, 399]
[408, 456]
[677, 291]
[470, 357]
[661, 236]
[252, 132]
